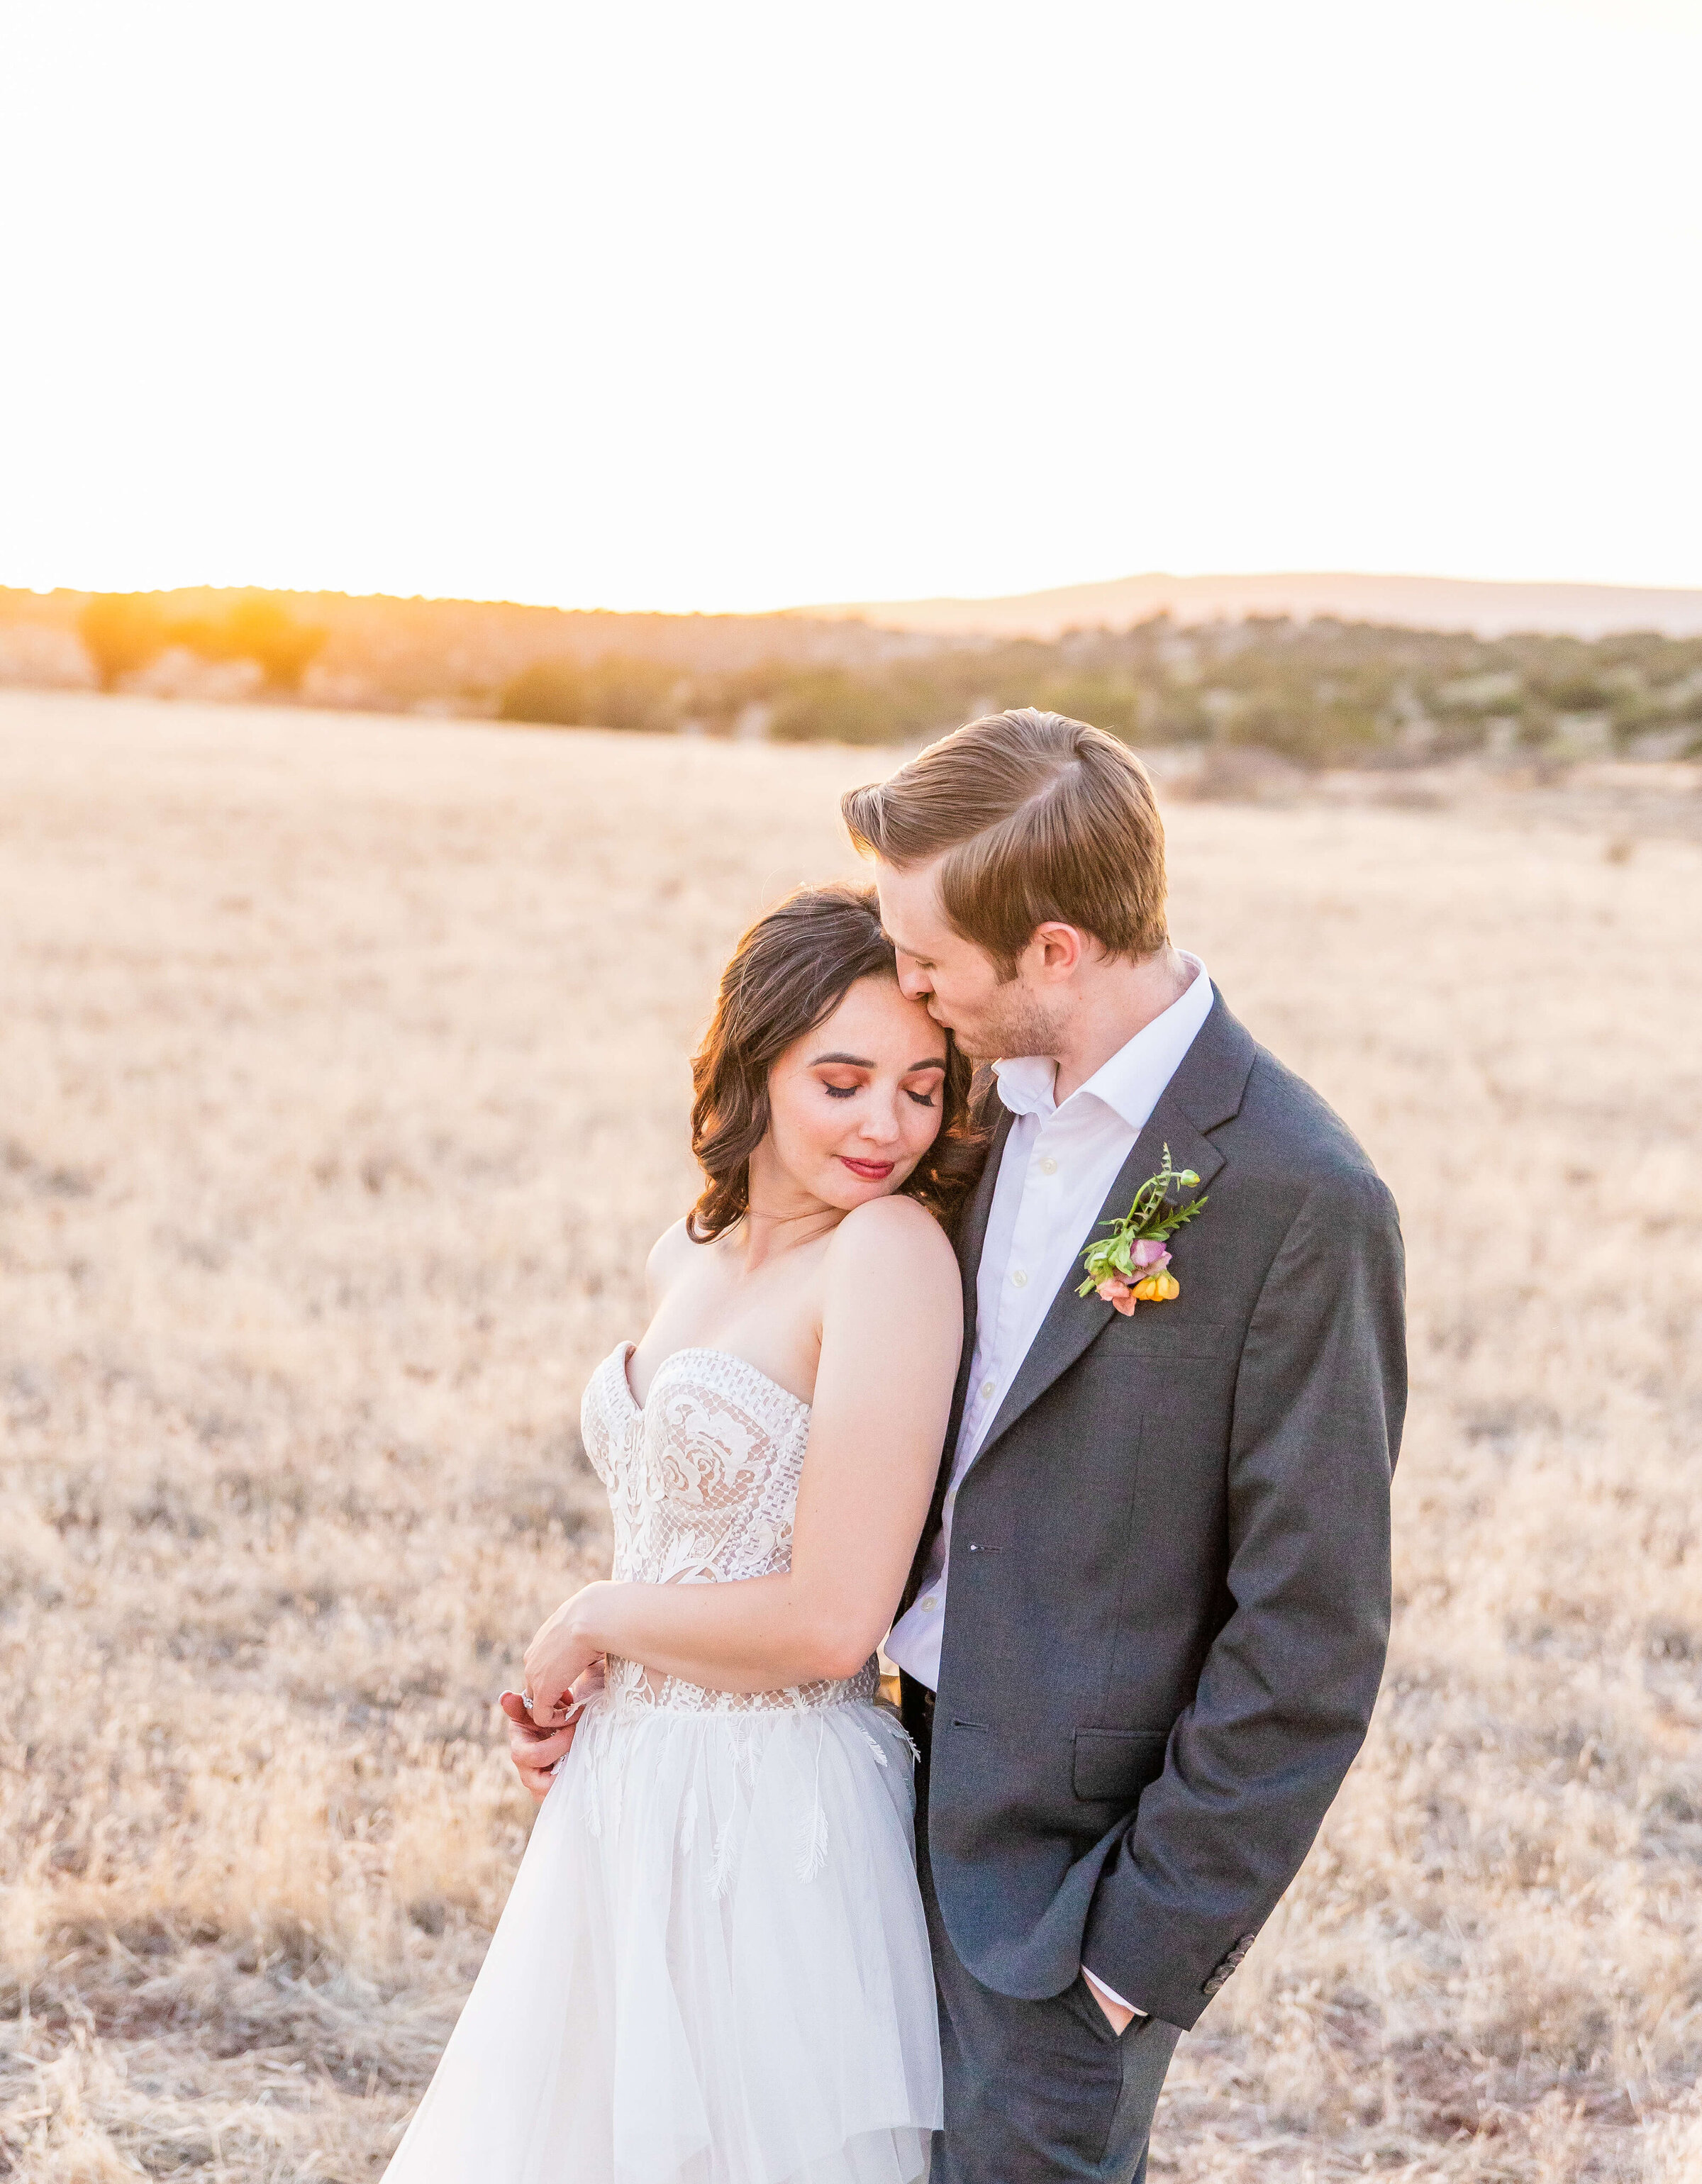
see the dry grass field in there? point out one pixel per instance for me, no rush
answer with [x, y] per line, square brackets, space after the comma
[342, 1087]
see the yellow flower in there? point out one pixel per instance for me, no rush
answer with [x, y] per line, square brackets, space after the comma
[1158, 1289]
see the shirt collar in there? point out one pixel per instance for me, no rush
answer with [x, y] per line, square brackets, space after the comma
[1131, 1081]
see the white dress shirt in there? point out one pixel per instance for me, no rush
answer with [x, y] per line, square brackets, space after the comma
[1058, 1164]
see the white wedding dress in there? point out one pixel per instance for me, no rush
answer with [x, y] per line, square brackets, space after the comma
[713, 1968]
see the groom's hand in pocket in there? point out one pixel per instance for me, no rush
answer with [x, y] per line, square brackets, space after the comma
[1117, 2013]
[534, 1751]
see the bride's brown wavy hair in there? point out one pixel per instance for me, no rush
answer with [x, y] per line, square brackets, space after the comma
[791, 970]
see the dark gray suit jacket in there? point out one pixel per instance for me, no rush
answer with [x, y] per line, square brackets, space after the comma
[1169, 1591]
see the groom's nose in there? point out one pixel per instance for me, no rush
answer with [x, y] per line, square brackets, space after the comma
[913, 983]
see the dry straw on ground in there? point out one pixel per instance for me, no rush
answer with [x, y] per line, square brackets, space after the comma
[344, 1088]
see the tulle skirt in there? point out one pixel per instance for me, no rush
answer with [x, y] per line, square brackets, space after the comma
[713, 1968]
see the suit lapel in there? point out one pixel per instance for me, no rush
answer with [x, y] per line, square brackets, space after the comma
[971, 1236]
[1205, 1091]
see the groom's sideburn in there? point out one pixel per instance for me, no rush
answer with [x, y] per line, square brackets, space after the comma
[1168, 1606]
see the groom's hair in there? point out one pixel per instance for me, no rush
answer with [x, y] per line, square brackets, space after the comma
[1035, 818]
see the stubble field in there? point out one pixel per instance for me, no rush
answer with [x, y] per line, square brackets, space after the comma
[343, 1088]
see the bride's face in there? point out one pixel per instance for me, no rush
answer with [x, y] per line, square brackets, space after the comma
[855, 1103]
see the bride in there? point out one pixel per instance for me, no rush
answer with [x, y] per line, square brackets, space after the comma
[713, 1968]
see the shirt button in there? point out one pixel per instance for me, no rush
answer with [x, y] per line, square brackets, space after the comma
[987, 1388]
[932, 1601]
[1048, 1166]
[1020, 1279]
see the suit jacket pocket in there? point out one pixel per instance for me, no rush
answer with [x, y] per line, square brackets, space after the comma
[1160, 1341]
[1114, 1766]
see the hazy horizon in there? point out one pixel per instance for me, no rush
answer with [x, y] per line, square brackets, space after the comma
[1402, 597]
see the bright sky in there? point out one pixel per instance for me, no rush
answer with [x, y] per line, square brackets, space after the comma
[744, 305]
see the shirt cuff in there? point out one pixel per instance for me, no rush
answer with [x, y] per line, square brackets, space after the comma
[1109, 1992]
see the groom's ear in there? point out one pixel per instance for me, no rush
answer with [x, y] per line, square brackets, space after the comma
[1055, 950]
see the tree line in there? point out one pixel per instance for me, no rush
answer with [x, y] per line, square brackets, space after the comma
[1318, 693]
[126, 631]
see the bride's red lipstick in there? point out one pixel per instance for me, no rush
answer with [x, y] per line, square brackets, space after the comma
[871, 1171]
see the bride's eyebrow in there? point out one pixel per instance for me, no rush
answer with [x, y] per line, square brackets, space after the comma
[862, 1061]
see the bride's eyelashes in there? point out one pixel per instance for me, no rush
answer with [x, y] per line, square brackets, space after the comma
[845, 1091]
[930, 1098]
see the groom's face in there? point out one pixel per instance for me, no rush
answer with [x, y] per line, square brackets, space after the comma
[991, 1015]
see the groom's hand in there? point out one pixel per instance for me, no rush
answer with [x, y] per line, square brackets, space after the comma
[534, 1751]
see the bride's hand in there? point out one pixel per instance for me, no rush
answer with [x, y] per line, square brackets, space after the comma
[561, 1653]
[537, 1752]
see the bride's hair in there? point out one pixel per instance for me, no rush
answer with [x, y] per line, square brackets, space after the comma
[791, 970]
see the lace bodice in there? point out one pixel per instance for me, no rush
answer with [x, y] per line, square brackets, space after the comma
[702, 1481]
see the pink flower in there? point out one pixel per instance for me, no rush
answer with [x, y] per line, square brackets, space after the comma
[1148, 1283]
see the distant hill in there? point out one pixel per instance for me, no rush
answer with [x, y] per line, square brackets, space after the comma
[1441, 603]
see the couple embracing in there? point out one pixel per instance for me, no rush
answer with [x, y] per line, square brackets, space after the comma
[1083, 1395]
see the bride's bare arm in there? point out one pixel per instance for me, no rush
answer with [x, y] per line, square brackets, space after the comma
[892, 1326]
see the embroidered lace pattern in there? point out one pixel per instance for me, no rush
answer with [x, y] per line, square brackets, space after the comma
[702, 1481]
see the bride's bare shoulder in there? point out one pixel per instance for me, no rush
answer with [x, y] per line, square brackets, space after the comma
[893, 1237]
[668, 1256]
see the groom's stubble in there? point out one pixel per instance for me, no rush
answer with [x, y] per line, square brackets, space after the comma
[1015, 1021]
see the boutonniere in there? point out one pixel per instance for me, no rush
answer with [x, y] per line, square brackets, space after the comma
[1131, 1265]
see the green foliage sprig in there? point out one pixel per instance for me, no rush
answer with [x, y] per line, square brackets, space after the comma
[1154, 1217]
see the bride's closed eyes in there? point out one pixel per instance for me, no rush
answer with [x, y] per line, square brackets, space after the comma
[844, 1092]
[933, 1067]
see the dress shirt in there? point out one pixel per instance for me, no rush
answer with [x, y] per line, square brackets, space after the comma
[1059, 1163]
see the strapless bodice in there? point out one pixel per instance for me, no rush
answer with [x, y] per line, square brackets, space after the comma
[702, 1480]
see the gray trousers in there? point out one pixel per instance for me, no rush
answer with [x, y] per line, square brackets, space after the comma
[1035, 2092]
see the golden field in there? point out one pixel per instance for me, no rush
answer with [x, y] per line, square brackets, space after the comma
[343, 1088]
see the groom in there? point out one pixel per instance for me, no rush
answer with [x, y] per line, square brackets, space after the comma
[1144, 1633]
